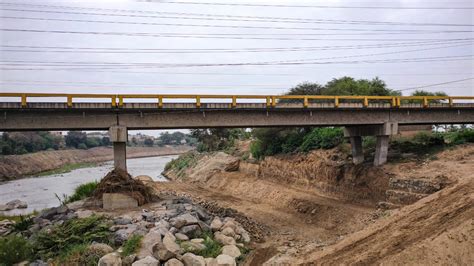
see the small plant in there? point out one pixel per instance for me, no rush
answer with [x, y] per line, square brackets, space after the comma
[82, 191]
[213, 248]
[23, 223]
[81, 254]
[131, 245]
[14, 249]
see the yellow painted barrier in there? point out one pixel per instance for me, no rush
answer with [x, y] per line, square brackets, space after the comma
[270, 100]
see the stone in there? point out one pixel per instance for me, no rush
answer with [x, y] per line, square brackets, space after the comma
[232, 166]
[230, 224]
[84, 214]
[191, 230]
[148, 261]
[228, 232]
[223, 239]
[111, 259]
[184, 219]
[123, 220]
[197, 240]
[162, 253]
[216, 224]
[225, 260]
[75, 205]
[148, 242]
[17, 204]
[181, 237]
[231, 250]
[170, 244]
[189, 259]
[128, 260]
[163, 224]
[192, 246]
[4, 207]
[114, 201]
[210, 261]
[174, 262]
[122, 235]
[38, 263]
[144, 178]
[100, 248]
[245, 237]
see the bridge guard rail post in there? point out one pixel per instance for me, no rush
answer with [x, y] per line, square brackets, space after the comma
[118, 136]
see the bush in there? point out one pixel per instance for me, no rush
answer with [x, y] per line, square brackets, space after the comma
[61, 239]
[14, 249]
[322, 138]
[82, 191]
[421, 143]
[82, 146]
[81, 254]
[460, 136]
[182, 162]
[256, 149]
[131, 245]
[213, 248]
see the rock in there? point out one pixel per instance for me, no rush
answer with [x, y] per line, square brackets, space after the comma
[184, 219]
[216, 224]
[122, 235]
[100, 248]
[197, 240]
[123, 220]
[75, 205]
[231, 250]
[228, 232]
[148, 261]
[162, 253]
[245, 237]
[225, 260]
[174, 262]
[192, 246]
[111, 259]
[38, 263]
[232, 166]
[84, 214]
[223, 239]
[191, 230]
[181, 237]
[4, 207]
[170, 244]
[6, 226]
[201, 214]
[210, 261]
[128, 260]
[148, 242]
[144, 178]
[189, 259]
[230, 224]
[17, 204]
[163, 224]
[114, 201]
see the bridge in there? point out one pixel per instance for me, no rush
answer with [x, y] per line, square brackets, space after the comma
[378, 116]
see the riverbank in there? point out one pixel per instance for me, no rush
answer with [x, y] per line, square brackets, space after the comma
[18, 166]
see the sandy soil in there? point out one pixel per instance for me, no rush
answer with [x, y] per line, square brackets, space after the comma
[17, 166]
[322, 211]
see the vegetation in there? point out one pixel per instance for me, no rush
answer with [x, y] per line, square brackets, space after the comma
[131, 245]
[66, 168]
[63, 239]
[80, 254]
[80, 140]
[215, 139]
[213, 248]
[25, 142]
[82, 191]
[14, 249]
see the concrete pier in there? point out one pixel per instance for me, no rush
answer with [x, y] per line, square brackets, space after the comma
[357, 152]
[118, 136]
[381, 150]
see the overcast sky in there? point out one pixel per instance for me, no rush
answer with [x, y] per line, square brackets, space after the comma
[143, 62]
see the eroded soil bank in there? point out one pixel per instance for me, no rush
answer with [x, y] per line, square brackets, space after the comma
[318, 208]
[18, 166]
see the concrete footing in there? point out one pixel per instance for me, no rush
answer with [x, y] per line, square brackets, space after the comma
[382, 133]
[118, 136]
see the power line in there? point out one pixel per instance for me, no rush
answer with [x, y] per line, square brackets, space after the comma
[318, 6]
[362, 31]
[210, 36]
[200, 16]
[436, 84]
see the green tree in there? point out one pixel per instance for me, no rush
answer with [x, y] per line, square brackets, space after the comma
[148, 142]
[75, 138]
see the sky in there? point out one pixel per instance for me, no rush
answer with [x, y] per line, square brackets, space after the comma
[247, 47]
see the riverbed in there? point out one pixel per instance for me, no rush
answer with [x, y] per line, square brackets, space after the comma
[39, 192]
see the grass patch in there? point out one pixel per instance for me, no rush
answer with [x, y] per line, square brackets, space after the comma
[82, 191]
[213, 248]
[81, 254]
[244, 251]
[131, 245]
[14, 249]
[61, 239]
[66, 169]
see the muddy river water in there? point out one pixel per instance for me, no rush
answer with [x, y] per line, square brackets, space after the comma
[39, 192]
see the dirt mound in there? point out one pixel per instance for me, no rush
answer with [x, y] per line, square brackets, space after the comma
[119, 181]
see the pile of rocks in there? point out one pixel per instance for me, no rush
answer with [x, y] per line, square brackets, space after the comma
[175, 232]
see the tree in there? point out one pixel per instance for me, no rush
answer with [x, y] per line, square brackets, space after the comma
[105, 141]
[75, 138]
[148, 142]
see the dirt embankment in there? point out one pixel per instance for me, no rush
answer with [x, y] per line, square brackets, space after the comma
[320, 209]
[17, 166]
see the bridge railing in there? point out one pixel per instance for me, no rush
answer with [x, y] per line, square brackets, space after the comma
[118, 100]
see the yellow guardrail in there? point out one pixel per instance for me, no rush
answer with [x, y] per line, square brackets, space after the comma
[271, 100]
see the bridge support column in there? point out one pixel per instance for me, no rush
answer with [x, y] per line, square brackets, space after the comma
[118, 136]
[357, 152]
[382, 133]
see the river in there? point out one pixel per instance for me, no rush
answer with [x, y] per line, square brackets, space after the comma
[39, 192]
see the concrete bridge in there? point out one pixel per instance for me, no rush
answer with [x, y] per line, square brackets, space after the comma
[378, 116]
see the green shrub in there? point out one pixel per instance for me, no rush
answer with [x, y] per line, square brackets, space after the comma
[213, 248]
[324, 138]
[182, 162]
[460, 136]
[131, 245]
[62, 238]
[14, 249]
[23, 223]
[421, 143]
[81, 254]
[256, 149]
[82, 191]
